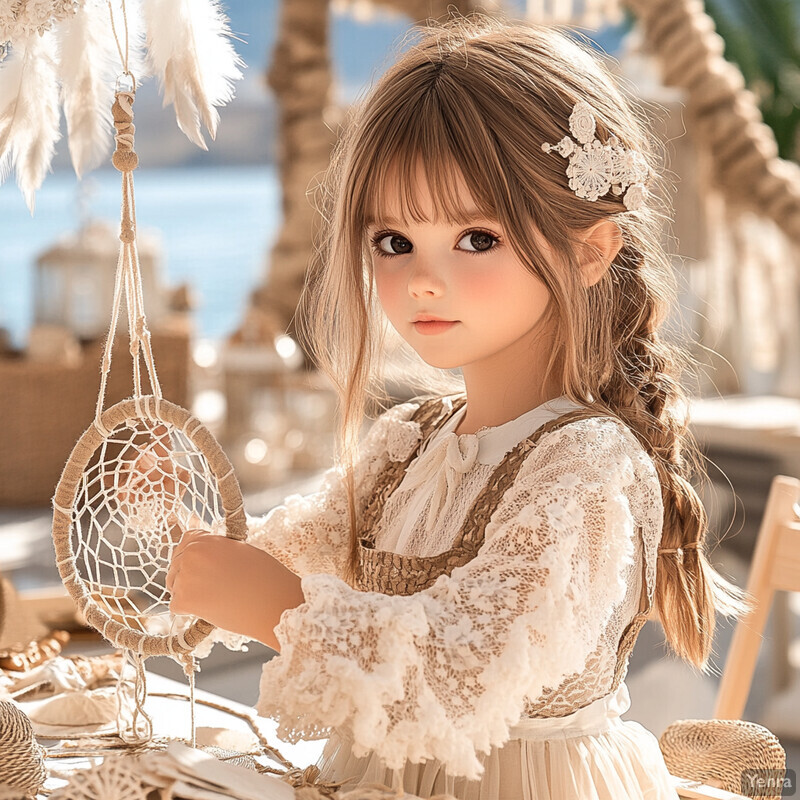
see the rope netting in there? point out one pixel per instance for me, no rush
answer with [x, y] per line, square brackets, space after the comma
[146, 484]
[139, 477]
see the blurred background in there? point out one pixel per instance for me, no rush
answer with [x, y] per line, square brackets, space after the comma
[225, 235]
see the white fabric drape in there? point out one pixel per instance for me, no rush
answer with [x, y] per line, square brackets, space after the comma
[591, 754]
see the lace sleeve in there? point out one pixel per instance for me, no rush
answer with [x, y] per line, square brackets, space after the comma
[444, 672]
[311, 534]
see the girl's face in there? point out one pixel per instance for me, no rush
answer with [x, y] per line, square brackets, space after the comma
[457, 294]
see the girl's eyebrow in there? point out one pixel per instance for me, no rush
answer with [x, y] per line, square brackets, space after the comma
[473, 215]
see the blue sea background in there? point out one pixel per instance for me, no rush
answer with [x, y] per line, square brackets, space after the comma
[218, 212]
[216, 227]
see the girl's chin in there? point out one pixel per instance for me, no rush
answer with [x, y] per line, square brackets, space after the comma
[441, 361]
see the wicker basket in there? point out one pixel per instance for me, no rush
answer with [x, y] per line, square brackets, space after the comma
[45, 407]
[717, 752]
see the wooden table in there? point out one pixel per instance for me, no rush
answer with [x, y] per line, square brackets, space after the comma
[171, 718]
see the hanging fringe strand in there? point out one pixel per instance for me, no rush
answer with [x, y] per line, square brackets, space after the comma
[189, 51]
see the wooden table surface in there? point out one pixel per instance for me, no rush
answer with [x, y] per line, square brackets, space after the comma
[171, 718]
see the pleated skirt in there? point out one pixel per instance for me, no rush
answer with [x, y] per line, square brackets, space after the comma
[591, 754]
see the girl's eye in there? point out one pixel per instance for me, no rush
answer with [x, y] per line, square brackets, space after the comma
[394, 241]
[479, 242]
[482, 241]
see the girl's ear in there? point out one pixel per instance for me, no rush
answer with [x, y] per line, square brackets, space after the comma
[602, 243]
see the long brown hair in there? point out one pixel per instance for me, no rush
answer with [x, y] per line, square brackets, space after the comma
[476, 96]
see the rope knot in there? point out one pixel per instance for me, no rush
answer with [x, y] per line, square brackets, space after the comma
[124, 158]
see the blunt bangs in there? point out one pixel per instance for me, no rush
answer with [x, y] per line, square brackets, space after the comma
[438, 128]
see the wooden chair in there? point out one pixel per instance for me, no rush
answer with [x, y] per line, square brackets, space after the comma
[775, 567]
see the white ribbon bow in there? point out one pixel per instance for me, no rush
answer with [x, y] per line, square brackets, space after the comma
[441, 466]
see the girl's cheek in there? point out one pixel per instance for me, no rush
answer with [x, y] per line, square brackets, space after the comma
[389, 287]
[485, 283]
[508, 289]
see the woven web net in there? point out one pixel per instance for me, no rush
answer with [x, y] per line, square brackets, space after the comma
[144, 486]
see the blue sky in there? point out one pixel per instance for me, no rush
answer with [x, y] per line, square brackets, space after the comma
[360, 51]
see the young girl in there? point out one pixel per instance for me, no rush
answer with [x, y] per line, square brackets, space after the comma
[455, 609]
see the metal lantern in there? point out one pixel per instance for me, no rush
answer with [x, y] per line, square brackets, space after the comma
[74, 284]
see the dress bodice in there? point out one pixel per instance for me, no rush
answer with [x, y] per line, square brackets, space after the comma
[536, 622]
[397, 574]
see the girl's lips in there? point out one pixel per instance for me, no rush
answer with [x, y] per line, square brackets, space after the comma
[430, 327]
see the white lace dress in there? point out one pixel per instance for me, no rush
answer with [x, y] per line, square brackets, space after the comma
[494, 682]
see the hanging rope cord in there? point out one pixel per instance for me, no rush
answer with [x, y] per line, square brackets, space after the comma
[128, 275]
[142, 472]
[206, 459]
[128, 279]
[123, 57]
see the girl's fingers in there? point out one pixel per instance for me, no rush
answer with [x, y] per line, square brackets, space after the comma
[186, 539]
[176, 481]
[159, 446]
[175, 529]
[182, 478]
[174, 569]
[175, 563]
[179, 548]
[145, 462]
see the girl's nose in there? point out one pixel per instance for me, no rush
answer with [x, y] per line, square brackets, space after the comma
[424, 282]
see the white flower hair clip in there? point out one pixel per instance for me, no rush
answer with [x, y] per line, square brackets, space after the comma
[594, 167]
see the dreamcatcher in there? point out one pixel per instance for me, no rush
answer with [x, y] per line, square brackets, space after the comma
[144, 471]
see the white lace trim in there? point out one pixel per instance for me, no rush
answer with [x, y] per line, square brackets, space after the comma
[594, 167]
[443, 673]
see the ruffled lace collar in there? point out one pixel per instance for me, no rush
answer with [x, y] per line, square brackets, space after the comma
[435, 475]
[488, 445]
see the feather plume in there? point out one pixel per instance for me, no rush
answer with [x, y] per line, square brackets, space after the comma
[29, 112]
[89, 66]
[189, 51]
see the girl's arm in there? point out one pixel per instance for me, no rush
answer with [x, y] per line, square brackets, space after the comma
[232, 585]
[244, 588]
[443, 673]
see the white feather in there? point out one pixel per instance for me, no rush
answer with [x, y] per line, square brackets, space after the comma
[12, 71]
[189, 50]
[89, 67]
[29, 112]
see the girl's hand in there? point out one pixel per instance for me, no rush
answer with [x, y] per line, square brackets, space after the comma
[231, 584]
[184, 524]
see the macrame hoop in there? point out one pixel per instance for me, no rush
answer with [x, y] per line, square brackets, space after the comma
[156, 410]
[154, 517]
